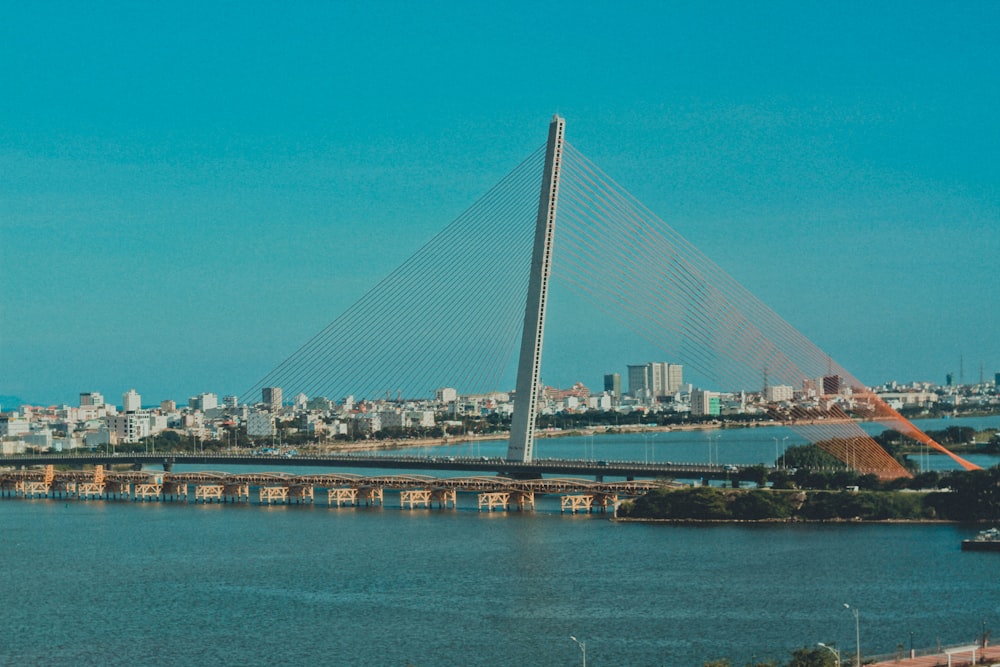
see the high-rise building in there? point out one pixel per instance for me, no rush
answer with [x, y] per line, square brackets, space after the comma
[271, 396]
[640, 385]
[613, 385]
[654, 380]
[131, 401]
[674, 378]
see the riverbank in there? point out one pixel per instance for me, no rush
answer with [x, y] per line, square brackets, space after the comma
[970, 500]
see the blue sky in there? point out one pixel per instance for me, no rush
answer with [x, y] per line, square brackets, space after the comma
[190, 190]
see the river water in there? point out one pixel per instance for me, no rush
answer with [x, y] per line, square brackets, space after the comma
[121, 583]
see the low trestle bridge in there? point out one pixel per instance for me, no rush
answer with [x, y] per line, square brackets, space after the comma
[494, 493]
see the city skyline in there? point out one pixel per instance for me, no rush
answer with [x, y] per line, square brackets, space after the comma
[187, 201]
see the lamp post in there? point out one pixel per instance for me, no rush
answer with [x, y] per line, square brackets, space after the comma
[783, 441]
[857, 632]
[583, 649]
[775, 451]
[835, 652]
[716, 438]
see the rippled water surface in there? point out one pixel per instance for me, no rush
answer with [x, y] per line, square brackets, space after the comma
[170, 584]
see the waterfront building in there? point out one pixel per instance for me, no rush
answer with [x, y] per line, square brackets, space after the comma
[128, 427]
[613, 385]
[604, 402]
[406, 419]
[131, 401]
[41, 439]
[831, 384]
[91, 399]
[203, 402]
[446, 395]
[655, 380]
[778, 393]
[13, 425]
[260, 424]
[705, 403]
[900, 399]
[271, 397]
[639, 382]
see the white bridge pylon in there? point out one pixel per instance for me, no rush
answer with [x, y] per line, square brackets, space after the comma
[522, 428]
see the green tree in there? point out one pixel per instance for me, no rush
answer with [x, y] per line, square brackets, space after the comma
[818, 656]
[757, 474]
[810, 456]
[760, 504]
[780, 479]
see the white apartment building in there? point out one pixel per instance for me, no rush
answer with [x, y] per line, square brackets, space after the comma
[14, 426]
[406, 419]
[779, 392]
[446, 395]
[128, 427]
[131, 401]
[203, 402]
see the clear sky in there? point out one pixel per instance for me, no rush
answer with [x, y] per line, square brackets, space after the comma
[189, 190]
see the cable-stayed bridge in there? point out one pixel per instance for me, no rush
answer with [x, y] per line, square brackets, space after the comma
[470, 306]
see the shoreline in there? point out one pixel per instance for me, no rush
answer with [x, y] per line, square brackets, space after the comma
[708, 522]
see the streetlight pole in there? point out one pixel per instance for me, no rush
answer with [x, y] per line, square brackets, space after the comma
[857, 632]
[775, 451]
[783, 440]
[583, 649]
[835, 652]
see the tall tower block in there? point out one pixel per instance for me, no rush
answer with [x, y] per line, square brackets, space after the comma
[522, 428]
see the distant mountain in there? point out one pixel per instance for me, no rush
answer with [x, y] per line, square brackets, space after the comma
[10, 402]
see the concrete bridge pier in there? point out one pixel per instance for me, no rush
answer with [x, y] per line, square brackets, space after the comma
[273, 495]
[445, 496]
[371, 494]
[208, 493]
[412, 498]
[340, 497]
[494, 500]
[143, 492]
[574, 504]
